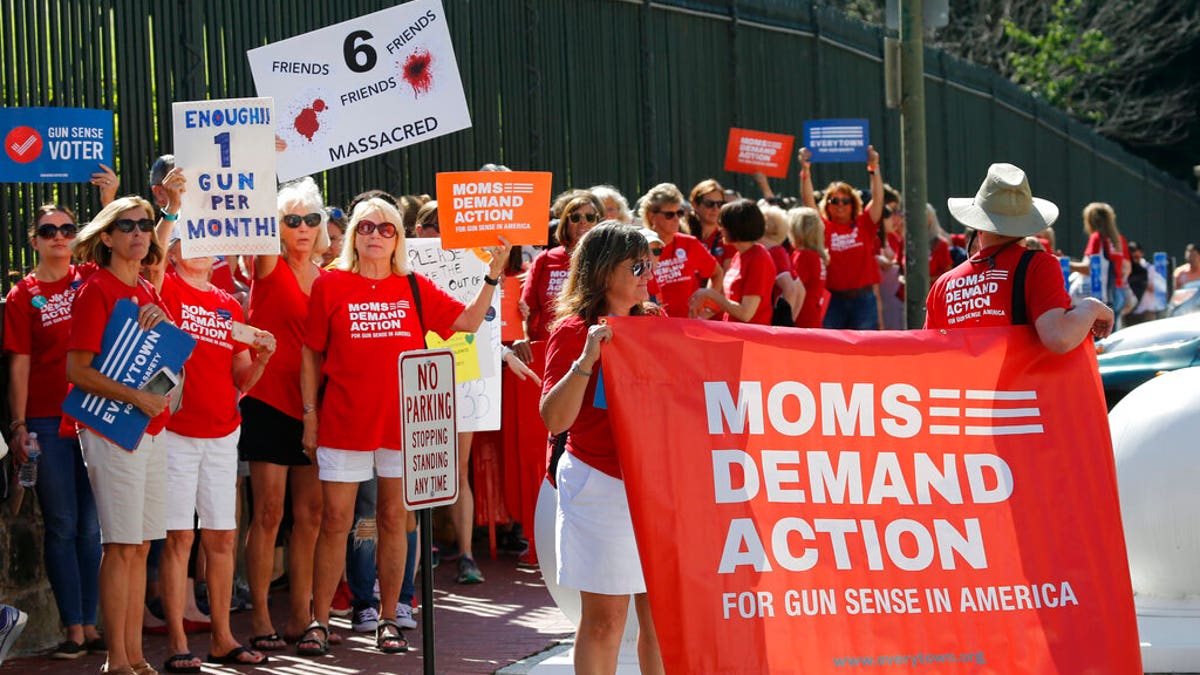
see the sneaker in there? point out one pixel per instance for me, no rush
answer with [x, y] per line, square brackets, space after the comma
[468, 571]
[404, 617]
[366, 620]
[12, 622]
[68, 649]
[341, 600]
[528, 558]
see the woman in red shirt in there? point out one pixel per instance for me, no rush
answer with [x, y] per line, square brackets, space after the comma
[130, 487]
[807, 234]
[684, 263]
[707, 198]
[361, 317]
[548, 271]
[1100, 223]
[597, 554]
[751, 274]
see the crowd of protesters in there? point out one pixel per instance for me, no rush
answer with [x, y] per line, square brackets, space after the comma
[300, 406]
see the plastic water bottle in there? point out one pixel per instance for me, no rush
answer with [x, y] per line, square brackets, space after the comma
[27, 476]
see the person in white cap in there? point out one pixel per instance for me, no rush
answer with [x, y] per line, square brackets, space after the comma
[1005, 284]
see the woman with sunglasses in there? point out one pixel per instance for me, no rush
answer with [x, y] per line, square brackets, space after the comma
[37, 324]
[272, 415]
[130, 487]
[361, 317]
[685, 264]
[596, 550]
[750, 279]
[850, 237]
[707, 198]
[548, 270]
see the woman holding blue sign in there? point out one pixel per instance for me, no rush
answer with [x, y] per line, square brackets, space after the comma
[130, 487]
[361, 317]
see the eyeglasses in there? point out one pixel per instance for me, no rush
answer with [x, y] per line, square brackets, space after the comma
[840, 201]
[310, 219]
[656, 252]
[641, 267]
[577, 216]
[127, 225]
[712, 203]
[672, 215]
[386, 230]
[67, 230]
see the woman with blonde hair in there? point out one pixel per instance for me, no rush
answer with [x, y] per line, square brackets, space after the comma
[616, 207]
[806, 231]
[684, 264]
[786, 290]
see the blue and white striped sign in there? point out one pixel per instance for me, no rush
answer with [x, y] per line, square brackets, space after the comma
[1160, 266]
[837, 140]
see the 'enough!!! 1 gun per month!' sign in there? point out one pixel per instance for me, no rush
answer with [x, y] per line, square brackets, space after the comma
[362, 87]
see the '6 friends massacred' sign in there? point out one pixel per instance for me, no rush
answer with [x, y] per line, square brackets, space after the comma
[362, 87]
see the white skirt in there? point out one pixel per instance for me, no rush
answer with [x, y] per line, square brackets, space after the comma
[595, 545]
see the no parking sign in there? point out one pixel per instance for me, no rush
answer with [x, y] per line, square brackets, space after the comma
[428, 428]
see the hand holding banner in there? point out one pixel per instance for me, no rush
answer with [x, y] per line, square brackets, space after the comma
[751, 151]
[475, 207]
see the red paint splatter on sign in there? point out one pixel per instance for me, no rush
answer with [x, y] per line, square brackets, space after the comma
[306, 123]
[417, 71]
[319, 105]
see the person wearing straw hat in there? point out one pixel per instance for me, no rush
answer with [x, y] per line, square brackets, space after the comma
[1005, 284]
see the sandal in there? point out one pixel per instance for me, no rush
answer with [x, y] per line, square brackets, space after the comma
[179, 663]
[271, 642]
[314, 641]
[235, 657]
[144, 668]
[390, 641]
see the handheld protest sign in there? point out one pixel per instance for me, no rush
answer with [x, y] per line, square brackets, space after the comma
[1160, 266]
[226, 150]
[837, 140]
[474, 207]
[54, 145]
[1098, 273]
[750, 151]
[428, 428]
[362, 87]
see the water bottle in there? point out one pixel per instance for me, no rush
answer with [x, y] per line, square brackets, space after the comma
[27, 476]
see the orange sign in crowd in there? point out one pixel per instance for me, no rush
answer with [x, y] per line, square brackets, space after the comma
[476, 206]
[749, 151]
[814, 501]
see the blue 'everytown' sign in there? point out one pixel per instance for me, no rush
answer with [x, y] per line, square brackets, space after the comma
[54, 145]
[837, 140]
[130, 356]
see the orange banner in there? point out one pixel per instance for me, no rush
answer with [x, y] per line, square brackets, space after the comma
[811, 501]
[510, 311]
[749, 151]
[476, 206]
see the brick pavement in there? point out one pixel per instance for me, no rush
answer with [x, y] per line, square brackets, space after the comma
[479, 629]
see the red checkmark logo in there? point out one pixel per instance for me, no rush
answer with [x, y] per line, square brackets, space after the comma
[23, 144]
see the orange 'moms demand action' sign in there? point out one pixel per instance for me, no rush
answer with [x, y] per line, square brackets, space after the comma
[818, 501]
[476, 206]
[749, 151]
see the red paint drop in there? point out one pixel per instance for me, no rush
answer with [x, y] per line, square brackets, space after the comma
[319, 105]
[306, 123]
[417, 71]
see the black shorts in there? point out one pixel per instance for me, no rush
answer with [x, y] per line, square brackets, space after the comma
[269, 435]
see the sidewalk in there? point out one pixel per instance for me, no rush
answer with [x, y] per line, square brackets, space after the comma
[479, 629]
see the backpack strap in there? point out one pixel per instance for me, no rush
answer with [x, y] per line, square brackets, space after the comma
[416, 293]
[1019, 310]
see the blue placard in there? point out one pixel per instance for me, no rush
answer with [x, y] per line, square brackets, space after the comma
[1160, 266]
[1065, 263]
[54, 145]
[837, 140]
[130, 356]
[1096, 277]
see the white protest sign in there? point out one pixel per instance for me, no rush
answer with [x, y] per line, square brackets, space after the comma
[362, 87]
[227, 152]
[460, 273]
[427, 427]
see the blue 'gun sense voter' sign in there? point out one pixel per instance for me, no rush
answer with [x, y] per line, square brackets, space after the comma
[130, 356]
[54, 145]
[837, 140]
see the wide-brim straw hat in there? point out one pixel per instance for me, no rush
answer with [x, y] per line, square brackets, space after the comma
[1004, 205]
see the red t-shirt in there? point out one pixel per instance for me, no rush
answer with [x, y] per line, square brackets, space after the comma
[222, 275]
[93, 306]
[810, 269]
[209, 408]
[852, 263]
[37, 322]
[975, 295]
[684, 266]
[590, 436]
[940, 261]
[752, 272]
[1115, 258]
[545, 278]
[716, 245]
[279, 306]
[362, 325]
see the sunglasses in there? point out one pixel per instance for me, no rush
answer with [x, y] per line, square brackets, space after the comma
[386, 230]
[672, 215]
[310, 219]
[656, 252]
[336, 214]
[67, 230]
[127, 225]
[712, 203]
[840, 201]
[577, 216]
[641, 267]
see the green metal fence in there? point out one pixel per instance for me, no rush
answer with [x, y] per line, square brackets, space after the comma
[627, 92]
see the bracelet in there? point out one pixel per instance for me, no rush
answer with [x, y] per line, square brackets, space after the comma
[804, 174]
[170, 217]
[490, 281]
[16, 424]
[578, 370]
[309, 408]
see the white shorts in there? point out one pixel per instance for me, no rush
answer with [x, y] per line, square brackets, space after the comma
[594, 533]
[130, 487]
[358, 466]
[202, 477]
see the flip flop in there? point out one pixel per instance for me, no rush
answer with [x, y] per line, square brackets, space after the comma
[271, 642]
[171, 664]
[233, 658]
[317, 644]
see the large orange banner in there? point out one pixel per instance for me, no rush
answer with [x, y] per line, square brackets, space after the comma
[812, 501]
